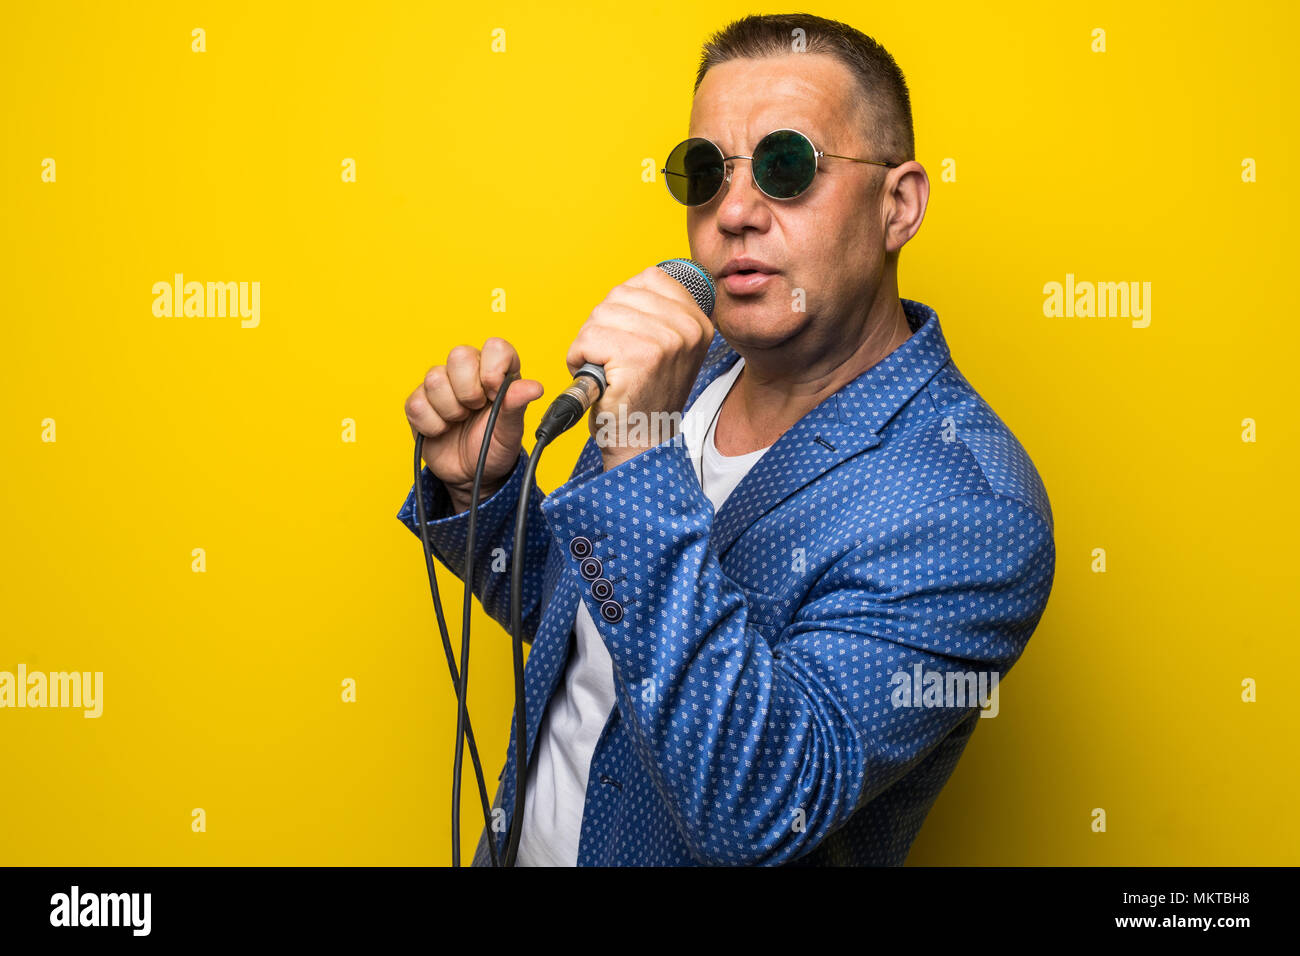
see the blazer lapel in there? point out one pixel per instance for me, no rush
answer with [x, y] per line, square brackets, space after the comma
[845, 424]
[817, 443]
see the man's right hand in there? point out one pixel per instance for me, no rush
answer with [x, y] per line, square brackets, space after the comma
[451, 407]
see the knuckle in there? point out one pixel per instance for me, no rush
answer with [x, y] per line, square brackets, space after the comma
[498, 349]
[452, 409]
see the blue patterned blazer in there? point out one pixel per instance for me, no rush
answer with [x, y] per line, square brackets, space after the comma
[899, 528]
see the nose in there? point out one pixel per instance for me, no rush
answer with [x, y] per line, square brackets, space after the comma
[743, 203]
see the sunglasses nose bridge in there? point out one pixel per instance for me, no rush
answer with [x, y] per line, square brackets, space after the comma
[728, 167]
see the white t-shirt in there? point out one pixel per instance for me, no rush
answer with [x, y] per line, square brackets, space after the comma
[581, 705]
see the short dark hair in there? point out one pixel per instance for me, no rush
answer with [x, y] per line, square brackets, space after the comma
[885, 99]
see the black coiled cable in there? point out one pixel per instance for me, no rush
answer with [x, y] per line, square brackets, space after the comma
[460, 681]
[516, 633]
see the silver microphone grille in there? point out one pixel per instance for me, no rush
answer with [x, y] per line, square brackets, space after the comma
[696, 278]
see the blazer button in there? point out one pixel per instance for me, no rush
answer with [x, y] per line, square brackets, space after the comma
[591, 568]
[602, 589]
[580, 547]
[612, 611]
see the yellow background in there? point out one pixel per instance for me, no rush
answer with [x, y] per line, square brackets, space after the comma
[522, 170]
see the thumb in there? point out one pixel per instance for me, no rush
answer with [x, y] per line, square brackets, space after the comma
[520, 393]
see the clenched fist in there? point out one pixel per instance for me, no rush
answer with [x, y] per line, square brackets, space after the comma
[451, 407]
[651, 336]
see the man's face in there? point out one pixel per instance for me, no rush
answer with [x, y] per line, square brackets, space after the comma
[828, 241]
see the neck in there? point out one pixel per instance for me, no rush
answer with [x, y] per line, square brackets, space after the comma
[777, 387]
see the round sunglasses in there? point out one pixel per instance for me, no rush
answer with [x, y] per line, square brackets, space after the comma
[784, 165]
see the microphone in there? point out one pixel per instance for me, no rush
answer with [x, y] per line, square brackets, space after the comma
[589, 381]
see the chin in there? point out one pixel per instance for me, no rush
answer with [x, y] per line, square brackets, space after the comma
[758, 328]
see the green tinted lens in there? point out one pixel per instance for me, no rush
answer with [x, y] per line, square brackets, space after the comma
[784, 164]
[694, 171]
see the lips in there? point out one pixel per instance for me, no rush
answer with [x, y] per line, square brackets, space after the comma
[745, 275]
[746, 265]
[747, 283]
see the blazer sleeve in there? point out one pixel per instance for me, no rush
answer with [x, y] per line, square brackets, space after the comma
[759, 747]
[494, 534]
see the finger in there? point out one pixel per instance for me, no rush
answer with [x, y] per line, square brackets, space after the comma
[519, 394]
[637, 351]
[661, 309]
[621, 338]
[463, 377]
[596, 339]
[422, 417]
[439, 394]
[498, 359]
[661, 320]
[656, 280]
[669, 331]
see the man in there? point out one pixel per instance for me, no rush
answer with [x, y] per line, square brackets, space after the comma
[758, 641]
